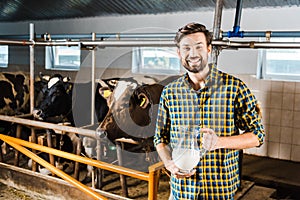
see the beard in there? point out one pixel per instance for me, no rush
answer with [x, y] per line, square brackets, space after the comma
[194, 67]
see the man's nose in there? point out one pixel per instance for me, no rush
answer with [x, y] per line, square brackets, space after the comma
[193, 52]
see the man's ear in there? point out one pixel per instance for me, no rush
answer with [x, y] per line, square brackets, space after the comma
[209, 48]
[178, 52]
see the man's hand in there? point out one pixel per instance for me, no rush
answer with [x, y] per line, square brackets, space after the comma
[209, 139]
[170, 166]
[165, 155]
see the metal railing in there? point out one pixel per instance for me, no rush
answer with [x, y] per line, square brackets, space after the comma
[151, 177]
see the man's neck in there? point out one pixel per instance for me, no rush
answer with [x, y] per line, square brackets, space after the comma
[197, 80]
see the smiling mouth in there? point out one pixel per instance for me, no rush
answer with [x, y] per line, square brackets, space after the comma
[194, 62]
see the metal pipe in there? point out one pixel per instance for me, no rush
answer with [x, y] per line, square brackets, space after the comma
[48, 36]
[105, 43]
[46, 125]
[53, 169]
[216, 30]
[254, 45]
[244, 34]
[23, 40]
[93, 81]
[168, 43]
[96, 163]
[31, 50]
[112, 43]
[238, 14]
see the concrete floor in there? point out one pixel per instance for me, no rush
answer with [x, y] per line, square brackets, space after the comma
[284, 176]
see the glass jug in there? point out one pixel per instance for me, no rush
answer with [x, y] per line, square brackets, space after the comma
[188, 151]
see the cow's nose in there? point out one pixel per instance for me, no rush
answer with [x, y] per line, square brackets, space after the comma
[37, 113]
[100, 133]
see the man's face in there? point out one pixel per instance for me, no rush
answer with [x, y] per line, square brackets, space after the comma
[193, 52]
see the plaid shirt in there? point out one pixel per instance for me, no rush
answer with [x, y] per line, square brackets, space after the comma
[225, 105]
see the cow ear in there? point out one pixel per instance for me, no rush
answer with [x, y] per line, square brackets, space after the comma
[66, 79]
[105, 92]
[44, 77]
[144, 100]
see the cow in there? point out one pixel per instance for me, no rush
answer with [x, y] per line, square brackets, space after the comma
[132, 115]
[64, 101]
[14, 100]
[14, 94]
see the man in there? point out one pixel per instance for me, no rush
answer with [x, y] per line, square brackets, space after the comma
[219, 104]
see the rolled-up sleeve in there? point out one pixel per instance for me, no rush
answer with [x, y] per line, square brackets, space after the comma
[162, 130]
[248, 116]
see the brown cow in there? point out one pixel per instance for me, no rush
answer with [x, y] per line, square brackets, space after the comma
[132, 115]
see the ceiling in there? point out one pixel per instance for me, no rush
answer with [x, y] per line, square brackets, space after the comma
[25, 10]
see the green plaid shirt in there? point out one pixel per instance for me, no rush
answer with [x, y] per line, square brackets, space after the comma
[225, 105]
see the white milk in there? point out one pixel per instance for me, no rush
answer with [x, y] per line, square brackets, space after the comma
[185, 159]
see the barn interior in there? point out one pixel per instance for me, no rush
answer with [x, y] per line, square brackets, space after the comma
[110, 34]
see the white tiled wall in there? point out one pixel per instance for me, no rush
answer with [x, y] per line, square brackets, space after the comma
[280, 101]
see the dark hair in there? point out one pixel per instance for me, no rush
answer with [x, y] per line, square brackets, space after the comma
[190, 29]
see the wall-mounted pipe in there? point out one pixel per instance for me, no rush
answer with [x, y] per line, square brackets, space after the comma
[24, 40]
[236, 28]
[256, 45]
[167, 43]
[267, 34]
[104, 43]
[47, 36]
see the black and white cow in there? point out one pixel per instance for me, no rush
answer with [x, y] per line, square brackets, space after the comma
[14, 100]
[64, 101]
[14, 95]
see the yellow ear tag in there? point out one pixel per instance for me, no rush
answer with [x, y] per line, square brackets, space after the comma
[143, 102]
[106, 93]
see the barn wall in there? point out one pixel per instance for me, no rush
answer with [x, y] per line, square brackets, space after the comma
[280, 100]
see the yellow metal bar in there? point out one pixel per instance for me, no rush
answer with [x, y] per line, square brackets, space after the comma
[58, 172]
[88, 161]
[154, 174]
[156, 166]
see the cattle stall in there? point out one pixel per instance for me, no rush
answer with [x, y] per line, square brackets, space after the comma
[91, 44]
[31, 123]
[152, 177]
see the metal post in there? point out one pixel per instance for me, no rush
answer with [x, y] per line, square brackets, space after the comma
[216, 30]
[31, 50]
[93, 81]
[238, 14]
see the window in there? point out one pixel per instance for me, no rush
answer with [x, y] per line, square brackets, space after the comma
[155, 60]
[280, 64]
[63, 58]
[3, 56]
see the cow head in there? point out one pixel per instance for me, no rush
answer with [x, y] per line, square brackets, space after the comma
[103, 91]
[56, 102]
[132, 111]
